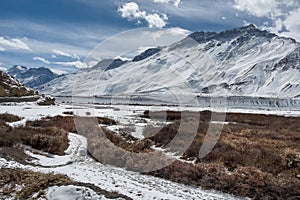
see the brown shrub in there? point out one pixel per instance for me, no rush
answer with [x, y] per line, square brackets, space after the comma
[68, 112]
[203, 116]
[244, 181]
[4, 127]
[48, 101]
[9, 117]
[33, 182]
[165, 134]
[66, 123]
[51, 140]
[106, 121]
[162, 115]
[261, 152]
[181, 172]
[37, 183]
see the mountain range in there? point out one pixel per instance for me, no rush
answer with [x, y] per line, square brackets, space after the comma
[32, 77]
[243, 61]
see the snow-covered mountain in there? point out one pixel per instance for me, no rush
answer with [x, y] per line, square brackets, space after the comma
[239, 62]
[32, 77]
[10, 87]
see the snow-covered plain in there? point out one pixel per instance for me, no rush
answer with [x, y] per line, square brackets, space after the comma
[71, 192]
[81, 167]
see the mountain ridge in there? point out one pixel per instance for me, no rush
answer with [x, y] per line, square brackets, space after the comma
[243, 61]
[32, 77]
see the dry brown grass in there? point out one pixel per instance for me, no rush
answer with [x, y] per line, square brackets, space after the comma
[6, 117]
[37, 183]
[33, 182]
[51, 140]
[89, 127]
[47, 138]
[4, 127]
[257, 156]
[67, 123]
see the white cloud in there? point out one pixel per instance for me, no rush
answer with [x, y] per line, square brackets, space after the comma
[283, 14]
[41, 60]
[131, 11]
[14, 43]
[58, 71]
[154, 20]
[2, 49]
[61, 53]
[133, 40]
[258, 8]
[174, 2]
[77, 64]
[292, 24]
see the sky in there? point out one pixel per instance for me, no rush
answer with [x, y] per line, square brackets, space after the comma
[61, 34]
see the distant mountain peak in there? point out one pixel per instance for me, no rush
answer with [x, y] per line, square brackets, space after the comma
[248, 27]
[19, 67]
[32, 77]
[245, 31]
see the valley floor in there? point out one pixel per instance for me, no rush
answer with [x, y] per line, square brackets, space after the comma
[79, 166]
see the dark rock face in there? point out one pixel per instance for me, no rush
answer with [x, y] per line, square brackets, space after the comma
[108, 64]
[32, 77]
[10, 87]
[244, 33]
[146, 54]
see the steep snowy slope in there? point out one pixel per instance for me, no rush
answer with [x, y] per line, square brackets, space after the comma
[239, 62]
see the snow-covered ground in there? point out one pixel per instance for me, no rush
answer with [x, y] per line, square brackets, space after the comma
[71, 192]
[132, 184]
[80, 167]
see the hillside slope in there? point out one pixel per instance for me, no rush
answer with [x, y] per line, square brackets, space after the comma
[10, 87]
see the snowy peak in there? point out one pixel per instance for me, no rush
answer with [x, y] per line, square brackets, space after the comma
[16, 69]
[238, 62]
[32, 77]
[246, 33]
